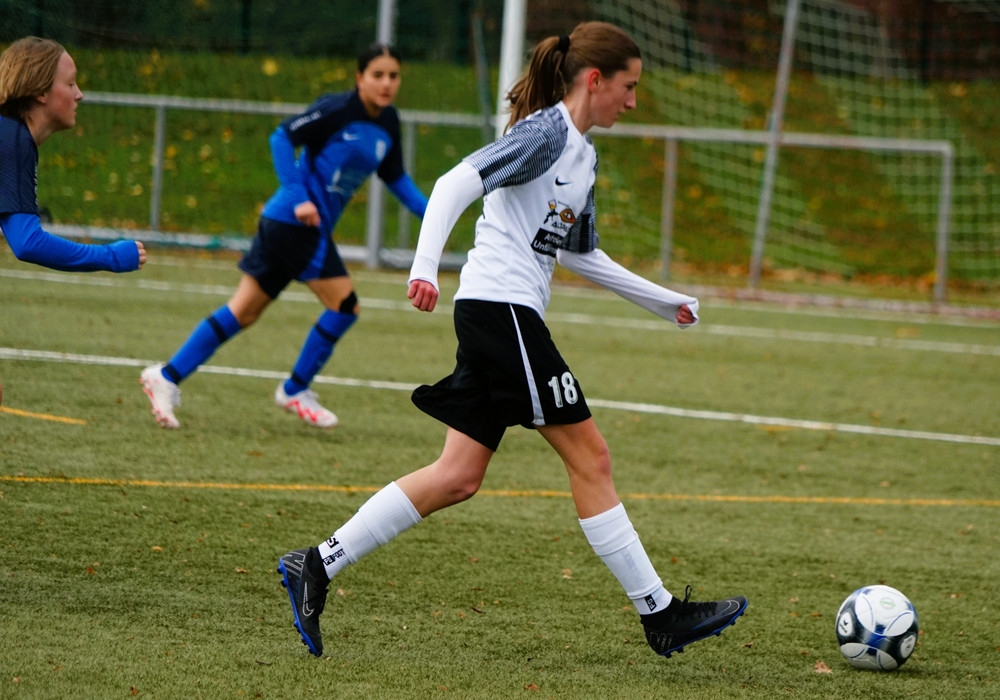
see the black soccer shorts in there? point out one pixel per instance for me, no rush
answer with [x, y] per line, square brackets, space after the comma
[507, 372]
[283, 252]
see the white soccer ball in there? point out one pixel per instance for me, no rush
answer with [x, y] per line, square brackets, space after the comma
[877, 628]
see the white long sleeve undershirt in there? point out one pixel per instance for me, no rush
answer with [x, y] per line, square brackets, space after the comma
[597, 267]
[452, 194]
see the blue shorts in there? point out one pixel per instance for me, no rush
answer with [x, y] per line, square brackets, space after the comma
[507, 372]
[283, 252]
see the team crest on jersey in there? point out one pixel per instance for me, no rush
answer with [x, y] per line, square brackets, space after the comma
[558, 221]
[560, 215]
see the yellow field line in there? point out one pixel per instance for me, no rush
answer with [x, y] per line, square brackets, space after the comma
[42, 416]
[712, 498]
[84, 481]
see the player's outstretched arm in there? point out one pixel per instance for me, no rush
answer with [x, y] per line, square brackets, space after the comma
[597, 267]
[31, 243]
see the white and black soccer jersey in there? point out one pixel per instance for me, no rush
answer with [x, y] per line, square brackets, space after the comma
[539, 184]
[538, 180]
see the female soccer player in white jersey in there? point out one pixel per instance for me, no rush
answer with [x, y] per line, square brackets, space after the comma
[341, 140]
[38, 97]
[538, 182]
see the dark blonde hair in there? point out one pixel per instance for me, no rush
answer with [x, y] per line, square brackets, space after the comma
[556, 61]
[27, 70]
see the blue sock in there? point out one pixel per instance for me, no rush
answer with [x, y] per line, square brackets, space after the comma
[329, 328]
[204, 340]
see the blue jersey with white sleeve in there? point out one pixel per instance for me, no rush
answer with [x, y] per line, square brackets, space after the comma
[339, 146]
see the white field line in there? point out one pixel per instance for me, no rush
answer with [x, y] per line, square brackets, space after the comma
[573, 318]
[779, 334]
[656, 409]
[793, 423]
[872, 310]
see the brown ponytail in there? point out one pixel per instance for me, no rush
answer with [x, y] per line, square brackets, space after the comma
[556, 61]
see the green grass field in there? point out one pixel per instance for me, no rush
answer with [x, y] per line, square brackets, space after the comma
[791, 454]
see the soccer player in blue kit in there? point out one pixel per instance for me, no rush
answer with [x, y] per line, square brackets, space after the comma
[508, 370]
[340, 140]
[38, 97]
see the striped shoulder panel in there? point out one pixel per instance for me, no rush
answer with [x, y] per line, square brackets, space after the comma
[524, 153]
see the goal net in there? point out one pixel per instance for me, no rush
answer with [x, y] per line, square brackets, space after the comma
[849, 213]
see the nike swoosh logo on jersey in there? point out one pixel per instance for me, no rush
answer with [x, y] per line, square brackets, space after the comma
[560, 183]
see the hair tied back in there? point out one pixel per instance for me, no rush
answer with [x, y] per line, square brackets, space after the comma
[563, 45]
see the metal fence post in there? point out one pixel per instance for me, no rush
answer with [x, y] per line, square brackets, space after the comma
[944, 216]
[159, 144]
[774, 140]
[376, 190]
[667, 207]
[409, 158]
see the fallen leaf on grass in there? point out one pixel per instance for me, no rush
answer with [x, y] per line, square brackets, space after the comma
[821, 667]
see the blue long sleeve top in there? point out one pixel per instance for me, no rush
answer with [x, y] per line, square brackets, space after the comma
[339, 146]
[21, 223]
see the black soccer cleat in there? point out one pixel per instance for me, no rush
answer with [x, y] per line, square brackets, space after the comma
[303, 575]
[683, 622]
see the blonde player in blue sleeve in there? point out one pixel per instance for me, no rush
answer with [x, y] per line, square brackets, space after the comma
[508, 370]
[38, 97]
[321, 157]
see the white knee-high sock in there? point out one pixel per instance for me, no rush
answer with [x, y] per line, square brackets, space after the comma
[382, 517]
[616, 542]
